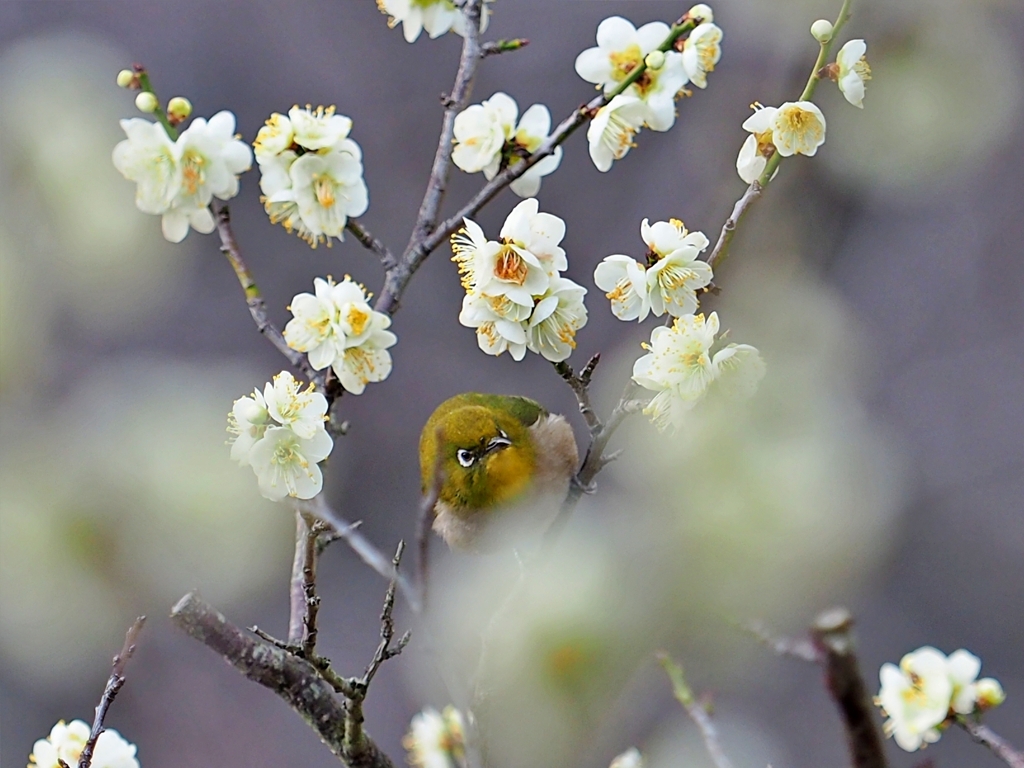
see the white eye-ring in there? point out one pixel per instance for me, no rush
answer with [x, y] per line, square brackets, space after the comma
[466, 458]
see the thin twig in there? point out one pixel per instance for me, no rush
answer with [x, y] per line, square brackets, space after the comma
[832, 633]
[502, 46]
[695, 710]
[426, 517]
[798, 648]
[721, 249]
[254, 299]
[367, 240]
[581, 388]
[296, 591]
[367, 552]
[1000, 747]
[114, 683]
[310, 600]
[292, 678]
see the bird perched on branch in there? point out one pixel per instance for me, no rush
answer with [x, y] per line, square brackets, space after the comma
[490, 456]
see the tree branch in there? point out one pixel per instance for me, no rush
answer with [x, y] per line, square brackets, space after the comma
[1000, 747]
[110, 691]
[721, 249]
[832, 634]
[254, 299]
[425, 518]
[502, 46]
[293, 679]
[695, 710]
[372, 243]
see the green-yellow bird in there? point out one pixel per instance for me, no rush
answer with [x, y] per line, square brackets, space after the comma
[499, 454]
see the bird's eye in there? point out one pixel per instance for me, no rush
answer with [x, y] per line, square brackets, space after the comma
[466, 458]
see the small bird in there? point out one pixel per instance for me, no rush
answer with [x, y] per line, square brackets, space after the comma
[498, 454]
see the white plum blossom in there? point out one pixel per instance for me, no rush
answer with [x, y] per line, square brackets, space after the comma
[149, 158]
[915, 696]
[516, 298]
[177, 180]
[436, 739]
[798, 128]
[559, 314]
[287, 465]
[680, 369]
[621, 47]
[311, 173]
[853, 72]
[674, 279]
[701, 51]
[624, 281]
[66, 741]
[988, 693]
[248, 421]
[758, 147]
[337, 328]
[701, 11]
[211, 157]
[281, 435]
[486, 135]
[434, 16]
[610, 134]
[631, 758]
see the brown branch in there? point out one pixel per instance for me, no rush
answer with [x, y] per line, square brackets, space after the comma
[696, 710]
[370, 242]
[721, 249]
[340, 528]
[1000, 747]
[254, 299]
[292, 678]
[832, 634]
[110, 691]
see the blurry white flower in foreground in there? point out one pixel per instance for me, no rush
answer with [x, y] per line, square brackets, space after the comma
[283, 453]
[337, 327]
[701, 52]
[701, 11]
[516, 298]
[434, 16]
[680, 369]
[621, 47]
[66, 742]
[629, 759]
[311, 173]
[436, 739]
[854, 71]
[916, 697]
[610, 134]
[148, 157]
[798, 128]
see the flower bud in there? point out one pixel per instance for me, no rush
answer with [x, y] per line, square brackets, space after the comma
[179, 108]
[655, 60]
[988, 693]
[125, 78]
[703, 12]
[146, 102]
[821, 30]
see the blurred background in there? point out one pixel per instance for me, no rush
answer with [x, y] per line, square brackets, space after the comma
[880, 466]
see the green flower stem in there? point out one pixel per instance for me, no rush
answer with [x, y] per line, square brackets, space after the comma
[696, 711]
[674, 34]
[147, 86]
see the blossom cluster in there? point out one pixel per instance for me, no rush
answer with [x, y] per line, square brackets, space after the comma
[177, 179]
[668, 282]
[798, 127]
[434, 16]
[516, 298]
[336, 327]
[681, 369]
[649, 101]
[436, 739]
[488, 138]
[311, 173]
[280, 434]
[927, 689]
[66, 742]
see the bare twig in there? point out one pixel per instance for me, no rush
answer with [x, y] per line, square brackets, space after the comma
[254, 299]
[581, 388]
[721, 249]
[292, 678]
[349, 533]
[367, 240]
[426, 517]
[296, 591]
[798, 648]
[1000, 747]
[695, 710]
[832, 633]
[114, 683]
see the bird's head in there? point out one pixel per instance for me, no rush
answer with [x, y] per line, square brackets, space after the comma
[486, 452]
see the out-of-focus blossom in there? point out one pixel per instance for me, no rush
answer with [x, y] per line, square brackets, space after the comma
[915, 696]
[854, 71]
[434, 16]
[701, 51]
[66, 741]
[631, 758]
[436, 739]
